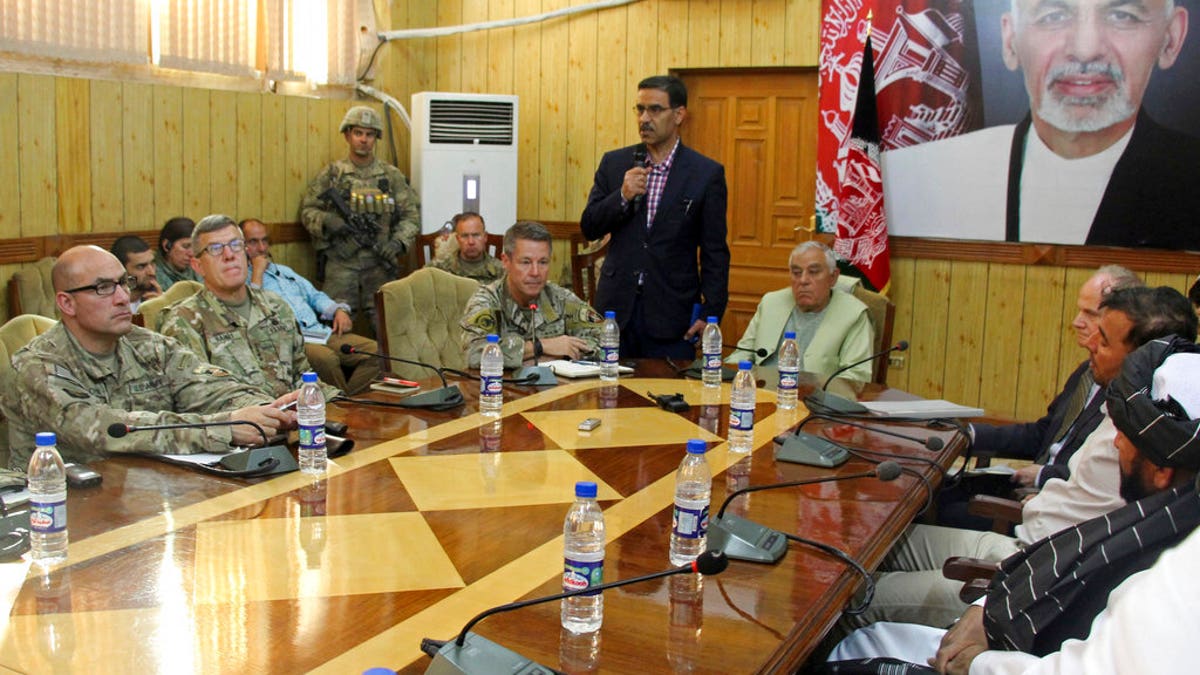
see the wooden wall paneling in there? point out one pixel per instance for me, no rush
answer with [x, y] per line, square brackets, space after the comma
[197, 160]
[965, 331]
[1176, 280]
[73, 146]
[1040, 339]
[1002, 339]
[902, 290]
[794, 178]
[248, 160]
[499, 49]
[449, 48]
[168, 153]
[769, 39]
[703, 36]
[527, 85]
[737, 32]
[614, 91]
[10, 174]
[222, 123]
[37, 155]
[641, 60]
[750, 175]
[338, 147]
[137, 157]
[474, 61]
[582, 115]
[273, 185]
[552, 136]
[927, 353]
[320, 152]
[801, 43]
[295, 137]
[1069, 351]
[674, 38]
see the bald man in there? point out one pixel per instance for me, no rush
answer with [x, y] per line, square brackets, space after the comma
[95, 368]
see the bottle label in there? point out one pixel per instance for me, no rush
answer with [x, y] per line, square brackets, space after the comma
[610, 354]
[312, 436]
[742, 420]
[49, 517]
[580, 574]
[690, 520]
[712, 361]
[788, 379]
[491, 384]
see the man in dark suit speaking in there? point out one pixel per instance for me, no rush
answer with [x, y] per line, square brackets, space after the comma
[660, 202]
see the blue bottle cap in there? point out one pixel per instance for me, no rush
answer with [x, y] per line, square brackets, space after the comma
[44, 438]
[712, 319]
[492, 337]
[610, 314]
[585, 489]
[744, 365]
[789, 335]
[695, 446]
[309, 377]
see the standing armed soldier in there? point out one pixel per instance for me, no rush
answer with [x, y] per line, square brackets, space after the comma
[361, 214]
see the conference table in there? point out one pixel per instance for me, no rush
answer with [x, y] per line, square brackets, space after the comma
[436, 516]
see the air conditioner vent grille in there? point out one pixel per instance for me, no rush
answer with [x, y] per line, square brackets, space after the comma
[471, 122]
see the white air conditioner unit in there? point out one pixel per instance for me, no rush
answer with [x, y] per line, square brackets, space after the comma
[464, 157]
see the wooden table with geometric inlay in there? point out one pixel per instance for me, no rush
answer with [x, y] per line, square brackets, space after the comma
[437, 516]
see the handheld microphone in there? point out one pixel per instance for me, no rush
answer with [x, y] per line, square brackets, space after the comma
[742, 539]
[822, 400]
[640, 160]
[931, 442]
[449, 396]
[538, 376]
[471, 653]
[251, 463]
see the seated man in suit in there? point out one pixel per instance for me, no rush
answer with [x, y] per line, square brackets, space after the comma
[95, 368]
[249, 332]
[832, 328]
[532, 316]
[1050, 441]
[138, 259]
[1052, 590]
[911, 587]
[351, 373]
[470, 258]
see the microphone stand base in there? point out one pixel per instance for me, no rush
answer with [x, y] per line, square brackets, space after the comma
[832, 404]
[741, 539]
[537, 376]
[480, 656]
[805, 448]
[437, 399]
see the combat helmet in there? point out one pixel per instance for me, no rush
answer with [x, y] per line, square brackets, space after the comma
[362, 116]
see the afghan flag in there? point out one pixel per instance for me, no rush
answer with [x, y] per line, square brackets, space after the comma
[862, 238]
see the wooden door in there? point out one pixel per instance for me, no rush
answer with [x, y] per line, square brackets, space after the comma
[762, 125]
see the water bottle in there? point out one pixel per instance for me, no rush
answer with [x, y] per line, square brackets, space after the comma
[491, 372]
[789, 372]
[310, 414]
[710, 346]
[741, 410]
[610, 345]
[47, 502]
[693, 490]
[583, 561]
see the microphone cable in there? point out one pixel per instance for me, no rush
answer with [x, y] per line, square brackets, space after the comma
[844, 557]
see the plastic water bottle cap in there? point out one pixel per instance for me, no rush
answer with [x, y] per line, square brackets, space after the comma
[492, 337]
[610, 314]
[743, 365]
[789, 335]
[696, 446]
[44, 438]
[379, 670]
[712, 319]
[309, 378]
[585, 489]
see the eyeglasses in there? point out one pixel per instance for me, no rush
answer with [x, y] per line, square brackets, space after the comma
[654, 110]
[215, 249]
[105, 287]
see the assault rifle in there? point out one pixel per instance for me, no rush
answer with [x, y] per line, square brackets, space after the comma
[362, 229]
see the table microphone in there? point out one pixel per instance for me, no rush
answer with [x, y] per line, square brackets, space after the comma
[471, 653]
[449, 396]
[118, 430]
[253, 462]
[742, 539]
[930, 442]
[695, 371]
[837, 405]
[535, 375]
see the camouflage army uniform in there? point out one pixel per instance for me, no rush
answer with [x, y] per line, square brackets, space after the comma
[353, 273]
[485, 270]
[268, 353]
[58, 386]
[493, 310]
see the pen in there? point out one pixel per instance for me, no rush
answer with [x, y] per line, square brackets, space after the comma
[585, 363]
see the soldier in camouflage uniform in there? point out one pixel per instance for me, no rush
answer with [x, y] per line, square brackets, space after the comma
[470, 258]
[250, 332]
[95, 368]
[560, 325]
[360, 252]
